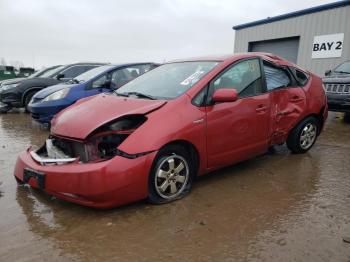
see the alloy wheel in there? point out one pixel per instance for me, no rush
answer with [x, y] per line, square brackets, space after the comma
[171, 176]
[308, 136]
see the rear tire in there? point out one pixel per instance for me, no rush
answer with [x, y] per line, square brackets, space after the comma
[27, 99]
[303, 136]
[171, 175]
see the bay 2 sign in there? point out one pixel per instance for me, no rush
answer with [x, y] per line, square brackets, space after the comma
[326, 46]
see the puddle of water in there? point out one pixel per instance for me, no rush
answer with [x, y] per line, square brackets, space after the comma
[275, 207]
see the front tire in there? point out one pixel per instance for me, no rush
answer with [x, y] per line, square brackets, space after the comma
[171, 176]
[303, 136]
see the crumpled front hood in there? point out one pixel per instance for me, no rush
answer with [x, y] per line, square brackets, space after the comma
[50, 90]
[85, 116]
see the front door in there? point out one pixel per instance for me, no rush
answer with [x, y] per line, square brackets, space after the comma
[238, 130]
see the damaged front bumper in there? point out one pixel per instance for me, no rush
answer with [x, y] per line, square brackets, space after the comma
[103, 184]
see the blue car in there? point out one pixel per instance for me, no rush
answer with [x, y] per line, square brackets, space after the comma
[107, 78]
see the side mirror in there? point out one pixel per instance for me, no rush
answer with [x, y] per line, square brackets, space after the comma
[60, 76]
[328, 72]
[225, 95]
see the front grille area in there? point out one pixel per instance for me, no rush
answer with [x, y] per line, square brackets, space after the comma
[71, 148]
[337, 88]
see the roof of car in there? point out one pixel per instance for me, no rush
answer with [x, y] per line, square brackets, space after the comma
[234, 57]
[87, 63]
[112, 66]
[204, 58]
[221, 58]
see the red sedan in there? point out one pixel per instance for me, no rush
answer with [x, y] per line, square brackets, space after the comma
[154, 135]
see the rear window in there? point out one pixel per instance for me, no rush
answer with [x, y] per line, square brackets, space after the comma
[275, 77]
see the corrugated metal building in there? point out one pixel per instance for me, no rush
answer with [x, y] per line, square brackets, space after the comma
[317, 38]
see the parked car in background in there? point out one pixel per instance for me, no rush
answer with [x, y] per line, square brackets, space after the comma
[49, 101]
[155, 134]
[7, 72]
[337, 87]
[25, 71]
[19, 79]
[18, 95]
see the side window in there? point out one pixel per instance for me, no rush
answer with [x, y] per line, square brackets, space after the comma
[98, 83]
[125, 75]
[122, 76]
[275, 77]
[74, 71]
[200, 97]
[245, 77]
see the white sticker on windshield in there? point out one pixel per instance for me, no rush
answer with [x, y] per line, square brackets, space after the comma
[192, 77]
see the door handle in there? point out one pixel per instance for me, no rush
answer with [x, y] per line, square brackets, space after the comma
[296, 99]
[261, 108]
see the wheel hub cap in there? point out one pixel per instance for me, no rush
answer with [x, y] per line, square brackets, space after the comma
[308, 136]
[171, 176]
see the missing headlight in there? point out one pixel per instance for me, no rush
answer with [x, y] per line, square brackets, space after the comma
[127, 123]
[104, 142]
[107, 145]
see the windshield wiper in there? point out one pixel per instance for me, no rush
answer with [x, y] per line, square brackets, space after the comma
[342, 72]
[137, 94]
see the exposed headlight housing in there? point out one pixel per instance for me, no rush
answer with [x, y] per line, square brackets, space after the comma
[7, 87]
[101, 145]
[57, 95]
[105, 141]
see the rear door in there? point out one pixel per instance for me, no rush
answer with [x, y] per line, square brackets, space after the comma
[288, 100]
[238, 130]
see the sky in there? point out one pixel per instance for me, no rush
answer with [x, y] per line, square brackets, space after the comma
[42, 33]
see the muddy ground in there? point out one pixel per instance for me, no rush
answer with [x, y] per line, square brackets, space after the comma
[276, 207]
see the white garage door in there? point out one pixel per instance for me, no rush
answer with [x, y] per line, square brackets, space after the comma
[286, 48]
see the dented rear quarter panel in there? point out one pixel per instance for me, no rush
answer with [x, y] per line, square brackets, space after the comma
[315, 95]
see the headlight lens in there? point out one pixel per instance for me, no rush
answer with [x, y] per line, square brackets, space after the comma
[6, 87]
[57, 95]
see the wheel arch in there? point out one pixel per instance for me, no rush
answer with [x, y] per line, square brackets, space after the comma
[29, 91]
[317, 116]
[188, 146]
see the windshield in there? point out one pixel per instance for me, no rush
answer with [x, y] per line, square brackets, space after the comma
[52, 72]
[37, 73]
[91, 73]
[40, 72]
[168, 81]
[343, 68]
